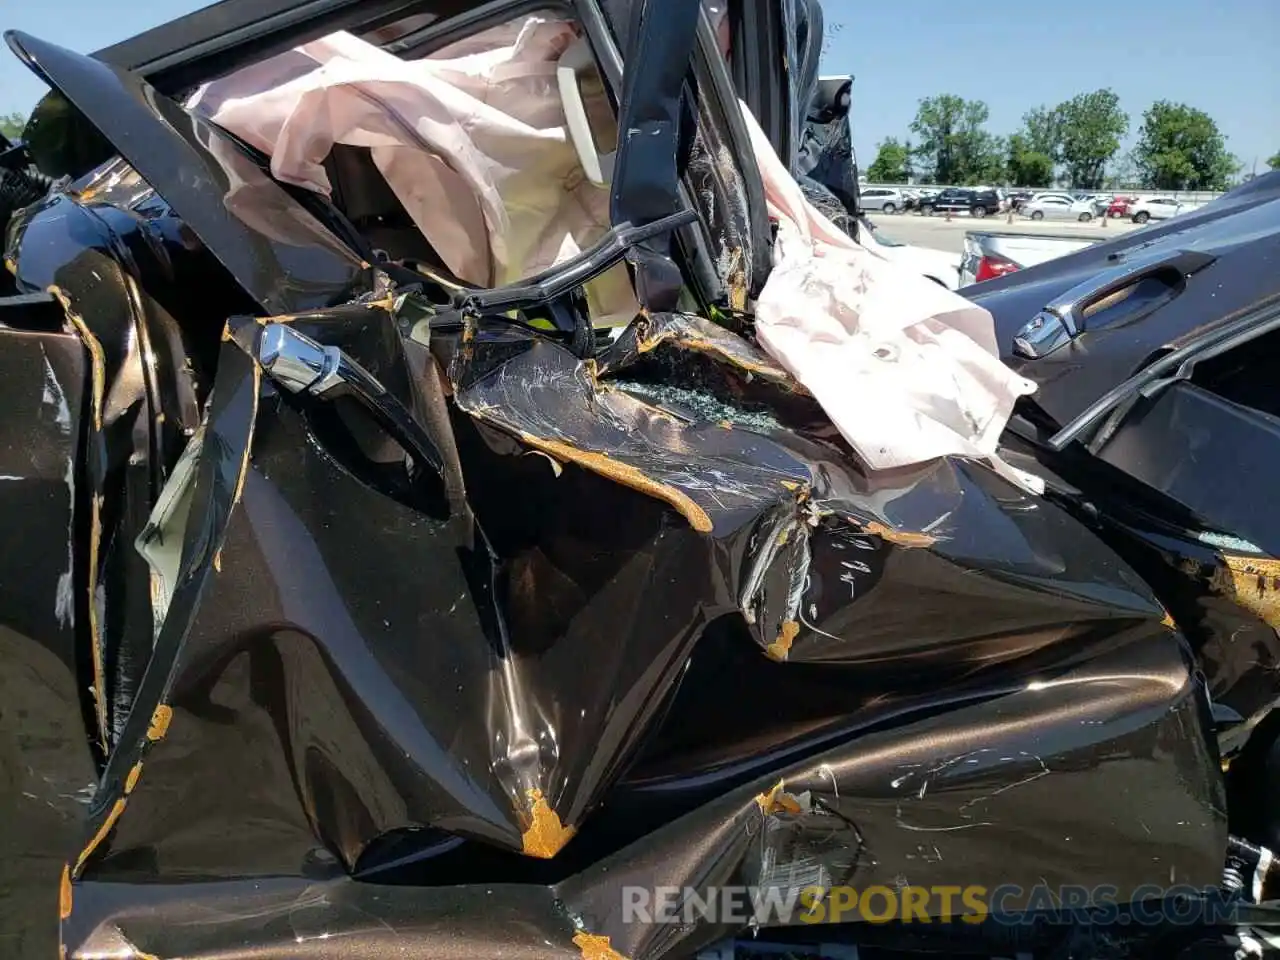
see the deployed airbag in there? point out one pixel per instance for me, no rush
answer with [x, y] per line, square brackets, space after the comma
[907, 370]
[473, 142]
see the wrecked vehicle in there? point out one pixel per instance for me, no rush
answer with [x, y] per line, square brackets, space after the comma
[827, 171]
[389, 587]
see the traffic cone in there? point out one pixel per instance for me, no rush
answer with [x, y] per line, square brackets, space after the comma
[948, 217]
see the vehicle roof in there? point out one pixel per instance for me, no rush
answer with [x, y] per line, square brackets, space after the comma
[166, 54]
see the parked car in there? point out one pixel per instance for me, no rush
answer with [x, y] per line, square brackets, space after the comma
[920, 196]
[1155, 208]
[1101, 202]
[1018, 198]
[357, 610]
[1119, 206]
[882, 199]
[914, 196]
[1054, 207]
[977, 203]
[1068, 197]
[990, 254]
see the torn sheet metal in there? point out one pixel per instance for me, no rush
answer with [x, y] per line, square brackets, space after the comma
[48, 761]
[143, 396]
[501, 701]
[931, 801]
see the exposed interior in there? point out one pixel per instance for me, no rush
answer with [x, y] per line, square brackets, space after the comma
[160, 542]
[1243, 375]
[484, 162]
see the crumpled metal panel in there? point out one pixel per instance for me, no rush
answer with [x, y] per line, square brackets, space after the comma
[349, 657]
[922, 802]
[930, 802]
[48, 764]
[118, 271]
[274, 248]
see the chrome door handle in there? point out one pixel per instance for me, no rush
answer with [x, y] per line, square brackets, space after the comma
[1062, 319]
[301, 365]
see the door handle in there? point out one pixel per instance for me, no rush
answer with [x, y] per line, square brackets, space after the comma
[1062, 319]
[301, 365]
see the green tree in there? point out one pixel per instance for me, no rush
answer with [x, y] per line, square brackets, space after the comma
[1274, 162]
[892, 163]
[12, 124]
[1043, 132]
[953, 144]
[1124, 173]
[1028, 167]
[1181, 148]
[1090, 128]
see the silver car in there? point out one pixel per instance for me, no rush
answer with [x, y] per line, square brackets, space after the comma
[884, 199]
[1050, 206]
[1158, 208]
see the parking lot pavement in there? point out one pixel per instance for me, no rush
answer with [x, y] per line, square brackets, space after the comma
[938, 233]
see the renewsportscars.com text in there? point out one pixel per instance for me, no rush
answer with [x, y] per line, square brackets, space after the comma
[1009, 904]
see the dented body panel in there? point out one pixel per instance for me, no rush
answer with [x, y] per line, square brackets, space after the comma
[924, 799]
[437, 653]
[330, 702]
[49, 773]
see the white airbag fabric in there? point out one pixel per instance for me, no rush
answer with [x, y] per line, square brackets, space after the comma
[907, 370]
[472, 141]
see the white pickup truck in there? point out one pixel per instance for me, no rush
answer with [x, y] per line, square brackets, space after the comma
[992, 253]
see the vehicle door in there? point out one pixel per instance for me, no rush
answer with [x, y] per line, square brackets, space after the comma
[1178, 461]
[873, 199]
[285, 261]
[1049, 208]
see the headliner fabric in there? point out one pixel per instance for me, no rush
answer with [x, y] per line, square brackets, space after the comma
[472, 141]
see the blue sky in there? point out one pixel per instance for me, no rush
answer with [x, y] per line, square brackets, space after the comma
[1221, 56]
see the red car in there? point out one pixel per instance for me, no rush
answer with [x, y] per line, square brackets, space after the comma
[1120, 206]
